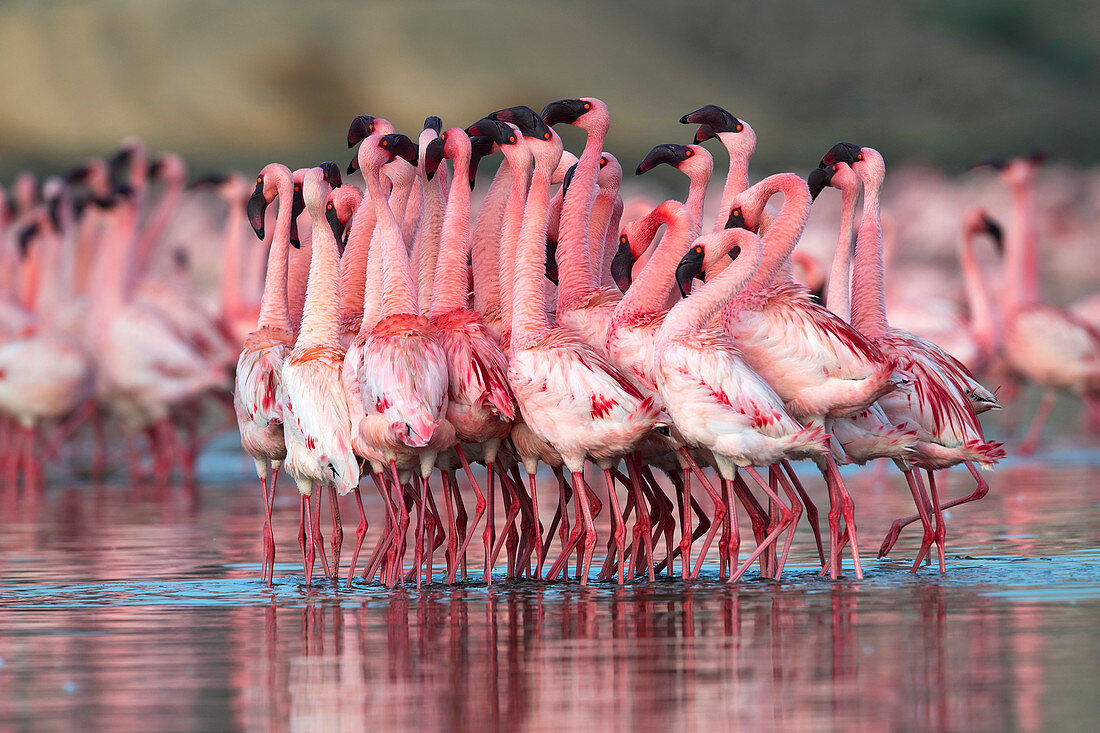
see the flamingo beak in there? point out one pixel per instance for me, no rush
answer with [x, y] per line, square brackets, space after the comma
[818, 180]
[257, 207]
[433, 157]
[622, 265]
[361, 128]
[690, 268]
[335, 224]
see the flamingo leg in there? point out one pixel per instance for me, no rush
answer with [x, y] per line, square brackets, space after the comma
[979, 492]
[719, 511]
[269, 541]
[729, 546]
[786, 517]
[796, 509]
[507, 491]
[461, 518]
[479, 511]
[421, 512]
[318, 538]
[337, 538]
[560, 521]
[538, 549]
[451, 555]
[571, 540]
[381, 548]
[618, 523]
[811, 508]
[847, 509]
[581, 492]
[644, 523]
[757, 516]
[665, 522]
[685, 526]
[360, 534]
[941, 525]
[310, 549]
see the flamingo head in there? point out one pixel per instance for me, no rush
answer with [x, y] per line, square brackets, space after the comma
[681, 157]
[430, 146]
[585, 112]
[690, 268]
[978, 221]
[527, 121]
[267, 188]
[480, 146]
[712, 120]
[169, 168]
[622, 264]
[837, 175]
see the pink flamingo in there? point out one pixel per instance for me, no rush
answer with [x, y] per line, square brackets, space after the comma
[432, 182]
[716, 401]
[258, 398]
[316, 423]
[1046, 345]
[693, 161]
[567, 393]
[607, 211]
[938, 405]
[739, 140]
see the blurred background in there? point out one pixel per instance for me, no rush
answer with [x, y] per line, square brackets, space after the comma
[934, 85]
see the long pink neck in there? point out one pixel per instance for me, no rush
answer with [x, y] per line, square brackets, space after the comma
[514, 219]
[486, 242]
[982, 323]
[1021, 252]
[230, 285]
[273, 304]
[868, 278]
[575, 281]
[737, 178]
[451, 284]
[697, 310]
[398, 287]
[152, 232]
[411, 210]
[602, 209]
[426, 246]
[839, 296]
[321, 313]
[528, 303]
[697, 194]
[649, 292]
[110, 274]
[785, 231]
[353, 264]
[610, 244]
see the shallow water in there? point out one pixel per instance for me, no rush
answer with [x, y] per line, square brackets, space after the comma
[139, 609]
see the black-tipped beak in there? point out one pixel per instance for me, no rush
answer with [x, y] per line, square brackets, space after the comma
[704, 133]
[818, 180]
[568, 179]
[334, 222]
[480, 146]
[353, 165]
[118, 164]
[433, 156]
[690, 268]
[668, 153]
[298, 207]
[564, 110]
[712, 119]
[529, 122]
[257, 207]
[23, 239]
[551, 260]
[736, 219]
[400, 146]
[496, 130]
[433, 123]
[622, 265]
[995, 231]
[849, 153]
[361, 128]
[332, 173]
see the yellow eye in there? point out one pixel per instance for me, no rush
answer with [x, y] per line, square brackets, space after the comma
[688, 153]
[698, 250]
[371, 128]
[259, 179]
[603, 161]
[859, 157]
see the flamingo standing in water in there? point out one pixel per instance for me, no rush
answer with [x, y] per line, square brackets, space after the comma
[316, 424]
[258, 397]
[567, 393]
[1046, 345]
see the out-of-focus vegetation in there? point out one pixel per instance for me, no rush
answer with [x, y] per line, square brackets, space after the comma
[240, 84]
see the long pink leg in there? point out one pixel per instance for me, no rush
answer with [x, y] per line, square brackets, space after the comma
[509, 517]
[269, 541]
[337, 538]
[360, 535]
[397, 562]
[730, 544]
[719, 510]
[785, 521]
[644, 522]
[811, 508]
[537, 549]
[617, 523]
[847, 509]
[381, 548]
[310, 548]
[479, 511]
[581, 492]
[1037, 424]
[665, 522]
[461, 521]
[318, 538]
[724, 537]
[796, 509]
[686, 536]
[418, 554]
[979, 492]
[570, 542]
[941, 526]
[560, 522]
[757, 516]
[451, 555]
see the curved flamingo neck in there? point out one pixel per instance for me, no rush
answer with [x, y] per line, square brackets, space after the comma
[152, 232]
[868, 297]
[838, 299]
[528, 301]
[649, 292]
[982, 322]
[697, 194]
[274, 311]
[599, 221]
[229, 288]
[321, 312]
[784, 232]
[111, 273]
[486, 242]
[611, 234]
[687, 317]
[451, 285]
[575, 281]
[737, 177]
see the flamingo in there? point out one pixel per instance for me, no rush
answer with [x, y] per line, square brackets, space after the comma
[432, 202]
[1046, 345]
[567, 393]
[716, 401]
[696, 163]
[739, 140]
[258, 398]
[939, 404]
[316, 423]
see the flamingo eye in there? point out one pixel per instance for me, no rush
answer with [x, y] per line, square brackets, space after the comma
[371, 128]
[737, 212]
[385, 143]
[698, 250]
[587, 105]
[740, 127]
[297, 189]
[859, 157]
[688, 153]
[622, 239]
[546, 136]
[834, 167]
[511, 138]
[259, 179]
[603, 161]
[328, 206]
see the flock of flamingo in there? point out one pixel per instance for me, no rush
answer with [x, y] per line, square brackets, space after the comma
[399, 336]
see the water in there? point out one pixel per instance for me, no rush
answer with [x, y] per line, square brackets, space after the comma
[138, 609]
